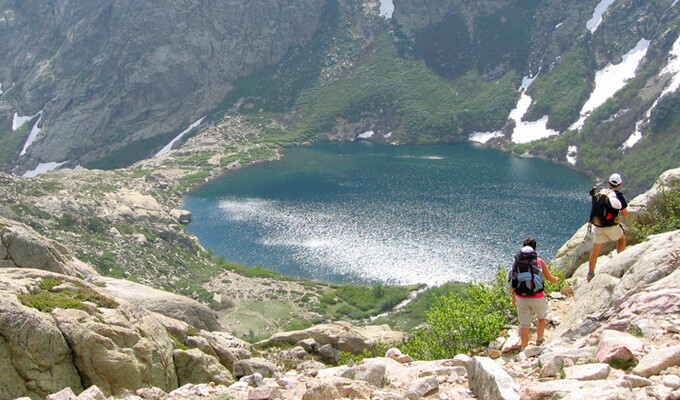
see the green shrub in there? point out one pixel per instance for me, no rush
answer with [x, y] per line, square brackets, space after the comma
[461, 325]
[663, 215]
[378, 350]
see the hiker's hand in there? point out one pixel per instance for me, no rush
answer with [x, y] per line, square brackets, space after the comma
[593, 191]
[514, 301]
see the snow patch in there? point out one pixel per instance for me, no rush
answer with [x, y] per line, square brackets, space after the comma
[42, 168]
[598, 14]
[610, 79]
[386, 8]
[366, 135]
[35, 131]
[388, 135]
[572, 153]
[673, 68]
[674, 3]
[18, 122]
[1, 92]
[483, 137]
[528, 131]
[178, 137]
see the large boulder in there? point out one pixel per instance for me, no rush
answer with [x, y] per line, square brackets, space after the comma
[194, 366]
[168, 304]
[490, 381]
[35, 359]
[74, 333]
[342, 336]
[22, 247]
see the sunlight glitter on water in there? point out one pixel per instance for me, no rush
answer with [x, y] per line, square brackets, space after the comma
[371, 213]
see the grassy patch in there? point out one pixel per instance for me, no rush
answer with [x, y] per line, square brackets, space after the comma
[47, 300]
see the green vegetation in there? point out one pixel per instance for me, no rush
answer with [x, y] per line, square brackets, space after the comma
[663, 215]
[561, 92]
[457, 324]
[378, 350]
[414, 313]
[47, 300]
[12, 141]
[427, 107]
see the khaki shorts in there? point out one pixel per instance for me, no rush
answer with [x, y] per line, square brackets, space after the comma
[525, 307]
[607, 234]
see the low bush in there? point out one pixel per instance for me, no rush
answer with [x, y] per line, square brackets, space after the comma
[456, 324]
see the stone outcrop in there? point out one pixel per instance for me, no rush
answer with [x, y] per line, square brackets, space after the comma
[112, 84]
[165, 303]
[342, 336]
[22, 247]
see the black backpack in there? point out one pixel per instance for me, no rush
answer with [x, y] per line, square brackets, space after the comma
[526, 276]
[601, 212]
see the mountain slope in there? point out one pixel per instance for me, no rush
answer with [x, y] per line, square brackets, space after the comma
[109, 84]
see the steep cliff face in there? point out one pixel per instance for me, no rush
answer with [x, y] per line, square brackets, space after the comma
[99, 75]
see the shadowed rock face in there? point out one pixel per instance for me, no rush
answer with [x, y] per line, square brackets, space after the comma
[108, 73]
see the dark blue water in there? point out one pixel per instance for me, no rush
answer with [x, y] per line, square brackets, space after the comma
[363, 212]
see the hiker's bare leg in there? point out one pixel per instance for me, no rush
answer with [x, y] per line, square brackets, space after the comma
[594, 254]
[540, 329]
[524, 336]
[621, 244]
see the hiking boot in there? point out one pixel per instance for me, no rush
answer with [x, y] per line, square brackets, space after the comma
[590, 275]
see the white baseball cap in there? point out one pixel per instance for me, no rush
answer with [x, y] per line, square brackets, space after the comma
[615, 179]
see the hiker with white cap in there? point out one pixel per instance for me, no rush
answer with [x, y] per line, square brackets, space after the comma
[604, 215]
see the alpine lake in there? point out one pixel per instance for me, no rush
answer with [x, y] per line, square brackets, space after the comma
[360, 212]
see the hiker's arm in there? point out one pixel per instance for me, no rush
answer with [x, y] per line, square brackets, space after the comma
[514, 297]
[547, 274]
[614, 201]
[624, 212]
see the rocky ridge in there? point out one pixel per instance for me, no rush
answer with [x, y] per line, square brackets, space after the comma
[617, 337]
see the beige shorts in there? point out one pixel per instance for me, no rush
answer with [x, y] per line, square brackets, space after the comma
[527, 306]
[607, 234]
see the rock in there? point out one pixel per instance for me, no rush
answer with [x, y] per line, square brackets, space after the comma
[657, 361]
[35, 358]
[320, 390]
[489, 381]
[296, 353]
[645, 326]
[92, 393]
[255, 365]
[329, 354]
[552, 367]
[152, 393]
[342, 336]
[421, 388]
[671, 381]
[310, 345]
[460, 360]
[168, 304]
[310, 365]
[194, 366]
[513, 343]
[404, 358]
[350, 389]
[637, 381]
[22, 247]
[254, 380]
[369, 370]
[65, 394]
[265, 393]
[588, 372]
[674, 395]
[617, 348]
[575, 390]
[181, 216]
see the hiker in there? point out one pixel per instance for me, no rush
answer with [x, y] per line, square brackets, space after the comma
[604, 215]
[526, 285]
